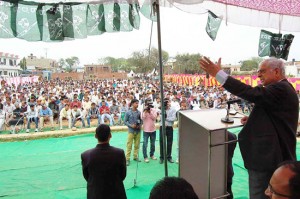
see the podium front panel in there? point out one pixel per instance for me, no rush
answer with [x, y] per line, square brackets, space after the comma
[203, 166]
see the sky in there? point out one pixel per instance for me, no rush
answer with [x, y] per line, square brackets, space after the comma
[181, 33]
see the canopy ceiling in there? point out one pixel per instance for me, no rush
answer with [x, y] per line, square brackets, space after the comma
[57, 20]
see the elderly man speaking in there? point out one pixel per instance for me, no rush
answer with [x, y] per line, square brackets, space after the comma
[269, 134]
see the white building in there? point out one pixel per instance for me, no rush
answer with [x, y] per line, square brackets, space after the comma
[292, 68]
[171, 62]
[8, 65]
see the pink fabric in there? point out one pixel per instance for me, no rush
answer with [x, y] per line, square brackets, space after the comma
[285, 7]
[21, 80]
[148, 124]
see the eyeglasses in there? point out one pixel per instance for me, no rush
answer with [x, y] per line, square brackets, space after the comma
[272, 191]
[261, 71]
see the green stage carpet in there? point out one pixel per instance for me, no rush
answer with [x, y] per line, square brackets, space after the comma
[51, 168]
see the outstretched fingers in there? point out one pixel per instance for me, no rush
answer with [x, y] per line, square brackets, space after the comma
[207, 60]
[210, 67]
[204, 63]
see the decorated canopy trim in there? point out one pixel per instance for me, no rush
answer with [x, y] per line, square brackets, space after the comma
[57, 22]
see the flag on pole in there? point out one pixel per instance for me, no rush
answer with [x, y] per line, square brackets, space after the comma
[264, 43]
[213, 25]
[288, 39]
[274, 45]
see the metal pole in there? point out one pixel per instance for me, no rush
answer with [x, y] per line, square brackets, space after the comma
[163, 130]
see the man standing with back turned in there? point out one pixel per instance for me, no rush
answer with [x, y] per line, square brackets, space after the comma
[269, 134]
[104, 168]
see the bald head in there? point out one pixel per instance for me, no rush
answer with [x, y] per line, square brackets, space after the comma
[285, 181]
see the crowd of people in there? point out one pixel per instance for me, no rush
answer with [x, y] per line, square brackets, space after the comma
[266, 140]
[101, 100]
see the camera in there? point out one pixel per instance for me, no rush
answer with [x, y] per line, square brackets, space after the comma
[138, 124]
[148, 105]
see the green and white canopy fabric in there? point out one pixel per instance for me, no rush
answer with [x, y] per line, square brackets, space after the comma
[58, 20]
[34, 21]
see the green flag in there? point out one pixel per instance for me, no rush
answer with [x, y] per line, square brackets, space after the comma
[274, 45]
[288, 39]
[213, 25]
[34, 21]
[54, 20]
[264, 43]
[148, 10]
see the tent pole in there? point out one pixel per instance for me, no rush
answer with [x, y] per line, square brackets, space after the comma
[163, 113]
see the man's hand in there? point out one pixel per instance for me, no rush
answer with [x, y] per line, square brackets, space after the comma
[133, 126]
[244, 120]
[209, 67]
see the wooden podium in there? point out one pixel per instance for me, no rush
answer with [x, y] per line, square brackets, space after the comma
[203, 150]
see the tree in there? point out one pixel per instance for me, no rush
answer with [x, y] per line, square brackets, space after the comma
[144, 61]
[187, 63]
[139, 61]
[61, 63]
[115, 63]
[251, 64]
[71, 62]
[154, 59]
[23, 64]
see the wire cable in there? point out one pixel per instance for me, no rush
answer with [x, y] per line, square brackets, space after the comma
[150, 43]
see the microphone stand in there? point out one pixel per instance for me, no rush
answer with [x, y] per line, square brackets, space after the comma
[226, 119]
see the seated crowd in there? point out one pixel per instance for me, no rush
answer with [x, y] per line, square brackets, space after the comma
[105, 101]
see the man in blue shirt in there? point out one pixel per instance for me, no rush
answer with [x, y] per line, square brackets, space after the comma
[170, 118]
[45, 114]
[133, 121]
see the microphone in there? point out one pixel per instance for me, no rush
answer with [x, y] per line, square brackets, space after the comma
[207, 75]
[233, 101]
[227, 119]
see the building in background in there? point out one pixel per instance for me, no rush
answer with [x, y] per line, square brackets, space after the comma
[41, 63]
[97, 71]
[292, 69]
[78, 69]
[169, 66]
[231, 69]
[8, 65]
[91, 71]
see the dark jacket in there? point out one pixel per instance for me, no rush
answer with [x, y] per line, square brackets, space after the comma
[104, 168]
[268, 137]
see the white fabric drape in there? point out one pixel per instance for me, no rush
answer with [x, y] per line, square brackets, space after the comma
[280, 14]
[245, 16]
